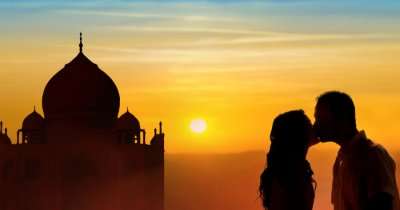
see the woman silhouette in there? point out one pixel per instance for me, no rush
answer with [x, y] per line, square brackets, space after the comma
[286, 183]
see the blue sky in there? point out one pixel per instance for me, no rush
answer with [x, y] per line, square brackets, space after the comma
[287, 15]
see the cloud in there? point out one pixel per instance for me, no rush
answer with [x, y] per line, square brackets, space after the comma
[188, 30]
[46, 4]
[253, 35]
[286, 37]
[149, 15]
[182, 55]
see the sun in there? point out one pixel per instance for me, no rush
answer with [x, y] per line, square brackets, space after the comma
[198, 125]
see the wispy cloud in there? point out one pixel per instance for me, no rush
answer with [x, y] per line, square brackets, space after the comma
[286, 37]
[47, 4]
[189, 30]
[254, 35]
[149, 15]
[193, 55]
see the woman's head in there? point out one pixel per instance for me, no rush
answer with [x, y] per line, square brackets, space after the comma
[290, 136]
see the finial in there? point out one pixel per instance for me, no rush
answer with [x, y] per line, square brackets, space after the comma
[5, 131]
[80, 42]
[34, 108]
[160, 127]
[127, 109]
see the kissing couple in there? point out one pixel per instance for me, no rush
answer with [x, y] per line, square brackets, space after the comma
[364, 176]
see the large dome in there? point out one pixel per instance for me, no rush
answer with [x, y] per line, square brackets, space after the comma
[81, 92]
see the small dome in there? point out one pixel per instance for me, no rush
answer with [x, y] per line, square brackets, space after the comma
[34, 121]
[128, 121]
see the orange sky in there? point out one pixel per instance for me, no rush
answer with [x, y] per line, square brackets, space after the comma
[236, 64]
[233, 65]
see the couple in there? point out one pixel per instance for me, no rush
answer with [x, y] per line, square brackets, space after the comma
[363, 173]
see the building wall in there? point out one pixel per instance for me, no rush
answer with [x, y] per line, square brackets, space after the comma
[81, 176]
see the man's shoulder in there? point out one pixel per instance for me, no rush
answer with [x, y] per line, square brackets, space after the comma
[377, 153]
[375, 148]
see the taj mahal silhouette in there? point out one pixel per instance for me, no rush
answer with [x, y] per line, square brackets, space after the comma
[81, 155]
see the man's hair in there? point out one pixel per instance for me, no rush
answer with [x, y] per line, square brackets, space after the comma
[340, 105]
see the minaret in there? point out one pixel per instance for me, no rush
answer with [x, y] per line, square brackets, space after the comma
[160, 124]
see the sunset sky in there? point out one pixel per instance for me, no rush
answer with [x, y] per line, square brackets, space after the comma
[235, 64]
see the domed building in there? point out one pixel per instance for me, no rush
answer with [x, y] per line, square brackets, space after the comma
[80, 154]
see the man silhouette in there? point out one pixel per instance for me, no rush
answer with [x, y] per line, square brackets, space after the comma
[363, 173]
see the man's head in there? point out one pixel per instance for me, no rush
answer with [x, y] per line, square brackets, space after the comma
[335, 117]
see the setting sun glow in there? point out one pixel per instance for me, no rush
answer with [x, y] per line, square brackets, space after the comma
[198, 125]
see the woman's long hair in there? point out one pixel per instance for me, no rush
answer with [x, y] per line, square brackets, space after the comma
[286, 159]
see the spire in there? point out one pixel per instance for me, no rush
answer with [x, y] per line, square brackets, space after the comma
[160, 124]
[80, 42]
[34, 108]
[127, 109]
